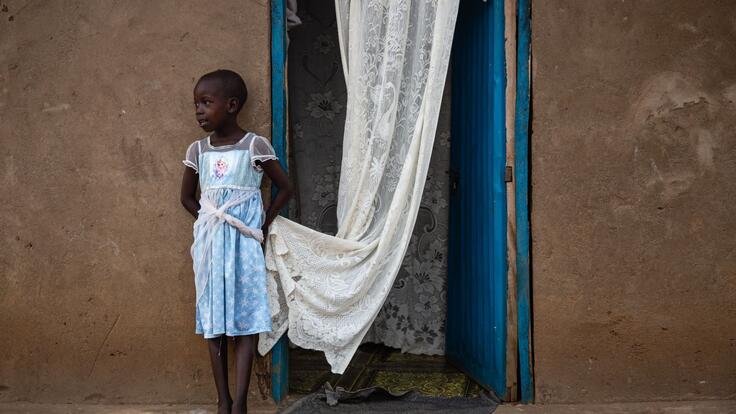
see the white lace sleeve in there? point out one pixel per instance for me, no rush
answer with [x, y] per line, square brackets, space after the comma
[261, 150]
[192, 158]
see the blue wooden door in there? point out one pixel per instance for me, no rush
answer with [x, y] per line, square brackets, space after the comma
[476, 292]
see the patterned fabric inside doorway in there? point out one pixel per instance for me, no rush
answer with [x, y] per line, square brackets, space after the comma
[413, 317]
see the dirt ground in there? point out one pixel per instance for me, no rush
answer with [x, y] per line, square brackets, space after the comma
[678, 407]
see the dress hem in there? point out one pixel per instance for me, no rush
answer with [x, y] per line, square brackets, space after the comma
[236, 333]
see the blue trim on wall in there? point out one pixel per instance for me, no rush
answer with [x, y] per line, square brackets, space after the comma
[279, 353]
[521, 176]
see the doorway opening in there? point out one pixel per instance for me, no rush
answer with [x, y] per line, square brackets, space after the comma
[407, 344]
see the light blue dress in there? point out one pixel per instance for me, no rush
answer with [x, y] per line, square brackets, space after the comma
[232, 298]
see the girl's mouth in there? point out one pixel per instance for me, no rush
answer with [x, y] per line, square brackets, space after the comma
[202, 122]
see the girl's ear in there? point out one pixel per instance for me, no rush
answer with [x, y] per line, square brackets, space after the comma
[232, 105]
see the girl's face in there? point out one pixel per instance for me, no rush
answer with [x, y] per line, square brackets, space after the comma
[211, 106]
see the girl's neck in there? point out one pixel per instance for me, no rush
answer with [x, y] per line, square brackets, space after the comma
[228, 134]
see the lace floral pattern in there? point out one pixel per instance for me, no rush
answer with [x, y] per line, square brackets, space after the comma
[327, 290]
[414, 315]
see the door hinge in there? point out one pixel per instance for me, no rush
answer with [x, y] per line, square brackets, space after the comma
[454, 176]
[509, 176]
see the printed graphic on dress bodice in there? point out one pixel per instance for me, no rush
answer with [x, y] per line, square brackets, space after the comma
[227, 169]
[220, 168]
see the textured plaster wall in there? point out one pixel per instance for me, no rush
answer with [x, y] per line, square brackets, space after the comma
[96, 286]
[634, 184]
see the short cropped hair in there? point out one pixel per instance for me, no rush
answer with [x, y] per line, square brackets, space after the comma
[233, 84]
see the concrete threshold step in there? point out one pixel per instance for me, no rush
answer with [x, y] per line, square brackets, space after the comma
[658, 407]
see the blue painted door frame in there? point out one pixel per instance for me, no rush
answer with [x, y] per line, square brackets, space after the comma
[521, 178]
[477, 261]
[280, 351]
[494, 208]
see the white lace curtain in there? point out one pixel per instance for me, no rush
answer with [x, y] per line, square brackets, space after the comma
[327, 290]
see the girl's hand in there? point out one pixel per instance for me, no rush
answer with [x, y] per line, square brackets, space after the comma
[278, 176]
[264, 229]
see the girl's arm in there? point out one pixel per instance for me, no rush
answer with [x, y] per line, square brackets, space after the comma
[278, 176]
[189, 191]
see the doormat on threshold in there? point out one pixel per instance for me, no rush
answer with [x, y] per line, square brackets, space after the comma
[375, 400]
[377, 365]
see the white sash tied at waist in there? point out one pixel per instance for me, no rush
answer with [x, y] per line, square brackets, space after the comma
[209, 220]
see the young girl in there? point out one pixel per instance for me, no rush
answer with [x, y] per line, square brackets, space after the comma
[229, 268]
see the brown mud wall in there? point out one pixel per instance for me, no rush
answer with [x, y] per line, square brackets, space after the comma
[634, 184]
[96, 285]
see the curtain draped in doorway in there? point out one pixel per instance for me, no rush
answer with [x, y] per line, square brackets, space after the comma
[327, 290]
[413, 317]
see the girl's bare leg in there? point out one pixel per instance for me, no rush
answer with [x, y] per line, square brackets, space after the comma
[218, 358]
[244, 352]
